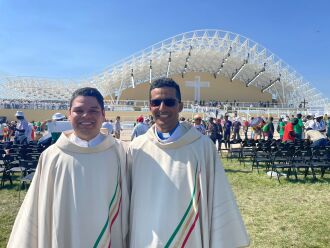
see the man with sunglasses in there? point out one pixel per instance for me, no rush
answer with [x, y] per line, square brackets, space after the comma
[180, 196]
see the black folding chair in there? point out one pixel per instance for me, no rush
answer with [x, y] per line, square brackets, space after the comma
[301, 160]
[281, 162]
[320, 161]
[262, 156]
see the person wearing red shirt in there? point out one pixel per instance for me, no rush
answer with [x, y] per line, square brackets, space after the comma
[289, 134]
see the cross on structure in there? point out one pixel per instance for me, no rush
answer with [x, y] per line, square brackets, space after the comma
[304, 102]
[197, 84]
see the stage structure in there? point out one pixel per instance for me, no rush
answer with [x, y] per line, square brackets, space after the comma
[217, 52]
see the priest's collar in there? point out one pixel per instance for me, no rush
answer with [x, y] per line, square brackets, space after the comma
[171, 136]
[84, 143]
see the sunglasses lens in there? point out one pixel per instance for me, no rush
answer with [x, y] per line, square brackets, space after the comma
[168, 102]
[155, 102]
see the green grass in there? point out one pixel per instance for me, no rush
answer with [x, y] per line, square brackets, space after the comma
[290, 214]
[9, 206]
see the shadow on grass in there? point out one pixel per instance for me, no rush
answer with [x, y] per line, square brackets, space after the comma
[9, 186]
[237, 171]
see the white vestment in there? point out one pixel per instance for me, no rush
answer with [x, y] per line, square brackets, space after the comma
[78, 198]
[180, 196]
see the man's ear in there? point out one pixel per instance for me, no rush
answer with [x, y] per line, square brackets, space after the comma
[180, 106]
[69, 114]
[103, 114]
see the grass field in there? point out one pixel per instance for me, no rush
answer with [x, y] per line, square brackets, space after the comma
[290, 214]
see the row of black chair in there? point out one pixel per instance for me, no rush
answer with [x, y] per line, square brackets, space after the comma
[278, 157]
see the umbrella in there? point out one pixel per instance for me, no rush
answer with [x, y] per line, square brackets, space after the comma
[256, 121]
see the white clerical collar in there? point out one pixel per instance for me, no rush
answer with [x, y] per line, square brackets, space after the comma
[178, 132]
[84, 143]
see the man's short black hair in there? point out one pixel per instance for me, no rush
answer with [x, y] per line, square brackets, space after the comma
[88, 91]
[165, 82]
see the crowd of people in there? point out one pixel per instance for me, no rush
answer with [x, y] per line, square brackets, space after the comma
[316, 128]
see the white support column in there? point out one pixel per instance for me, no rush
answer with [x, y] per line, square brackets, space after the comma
[119, 91]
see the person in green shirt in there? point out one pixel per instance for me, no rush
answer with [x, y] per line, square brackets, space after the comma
[280, 127]
[298, 129]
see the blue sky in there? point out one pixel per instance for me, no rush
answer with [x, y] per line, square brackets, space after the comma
[78, 39]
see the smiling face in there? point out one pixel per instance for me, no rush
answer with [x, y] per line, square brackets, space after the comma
[166, 118]
[86, 117]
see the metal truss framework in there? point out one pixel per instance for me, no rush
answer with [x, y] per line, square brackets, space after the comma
[214, 51]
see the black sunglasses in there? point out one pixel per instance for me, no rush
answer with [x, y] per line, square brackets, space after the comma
[169, 102]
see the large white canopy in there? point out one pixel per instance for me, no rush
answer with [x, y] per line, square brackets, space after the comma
[213, 51]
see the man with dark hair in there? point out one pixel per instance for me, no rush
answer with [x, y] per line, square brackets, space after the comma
[271, 129]
[298, 129]
[117, 128]
[78, 196]
[213, 130]
[226, 131]
[180, 195]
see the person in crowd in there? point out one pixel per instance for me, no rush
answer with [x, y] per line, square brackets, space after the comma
[319, 123]
[309, 123]
[318, 139]
[245, 128]
[299, 128]
[12, 129]
[108, 127]
[236, 128]
[176, 170]
[78, 196]
[6, 132]
[140, 128]
[38, 125]
[118, 128]
[226, 131]
[54, 127]
[220, 133]
[270, 130]
[212, 130]
[280, 127]
[198, 124]
[257, 130]
[252, 128]
[2, 125]
[30, 134]
[264, 128]
[22, 129]
[289, 134]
